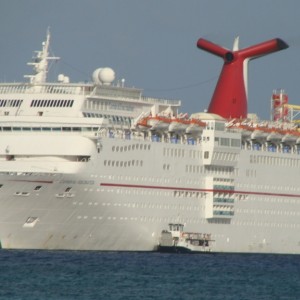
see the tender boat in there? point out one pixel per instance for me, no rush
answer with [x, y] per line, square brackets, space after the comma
[175, 240]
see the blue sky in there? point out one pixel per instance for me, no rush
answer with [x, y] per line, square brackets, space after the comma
[152, 44]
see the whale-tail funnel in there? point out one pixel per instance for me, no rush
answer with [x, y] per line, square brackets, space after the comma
[230, 96]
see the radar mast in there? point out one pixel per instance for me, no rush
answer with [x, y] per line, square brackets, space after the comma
[40, 63]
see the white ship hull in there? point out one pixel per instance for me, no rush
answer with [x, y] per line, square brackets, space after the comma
[78, 172]
[126, 208]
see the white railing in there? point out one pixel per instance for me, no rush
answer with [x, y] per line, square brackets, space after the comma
[17, 88]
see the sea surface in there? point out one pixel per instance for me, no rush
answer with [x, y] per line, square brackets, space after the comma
[129, 275]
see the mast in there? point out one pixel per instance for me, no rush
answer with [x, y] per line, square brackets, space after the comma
[40, 62]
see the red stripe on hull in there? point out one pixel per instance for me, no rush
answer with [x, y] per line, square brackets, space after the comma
[196, 190]
[33, 181]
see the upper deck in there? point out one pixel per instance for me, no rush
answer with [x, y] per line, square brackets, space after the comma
[39, 98]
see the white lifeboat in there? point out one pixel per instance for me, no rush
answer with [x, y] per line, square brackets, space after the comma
[290, 137]
[274, 136]
[178, 125]
[259, 133]
[245, 130]
[195, 126]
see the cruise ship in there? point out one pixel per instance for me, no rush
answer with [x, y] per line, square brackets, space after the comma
[99, 166]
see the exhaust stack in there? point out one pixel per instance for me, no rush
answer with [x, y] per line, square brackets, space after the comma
[230, 96]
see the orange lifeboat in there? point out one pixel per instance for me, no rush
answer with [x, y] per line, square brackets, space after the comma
[155, 123]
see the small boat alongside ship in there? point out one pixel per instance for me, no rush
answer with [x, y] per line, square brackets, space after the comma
[175, 240]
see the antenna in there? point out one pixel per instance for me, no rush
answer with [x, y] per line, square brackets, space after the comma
[230, 96]
[40, 62]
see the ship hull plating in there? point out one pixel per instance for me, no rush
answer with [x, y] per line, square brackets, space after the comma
[99, 210]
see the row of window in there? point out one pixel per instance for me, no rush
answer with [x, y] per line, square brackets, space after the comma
[267, 187]
[129, 163]
[108, 105]
[165, 180]
[10, 103]
[114, 119]
[271, 160]
[52, 103]
[227, 142]
[180, 153]
[250, 173]
[131, 147]
[269, 212]
[74, 129]
[36, 189]
[225, 156]
[190, 220]
[218, 170]
[164, 220]
[266, 224]
[223, 200]
[219, 126]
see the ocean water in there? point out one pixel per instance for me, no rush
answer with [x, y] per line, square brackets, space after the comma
[129, 275]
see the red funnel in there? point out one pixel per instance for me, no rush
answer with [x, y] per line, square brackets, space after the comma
[230, 97]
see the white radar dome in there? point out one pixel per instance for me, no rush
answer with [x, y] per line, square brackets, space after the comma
[103, 76]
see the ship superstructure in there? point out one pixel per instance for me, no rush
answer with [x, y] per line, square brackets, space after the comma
[98, 166]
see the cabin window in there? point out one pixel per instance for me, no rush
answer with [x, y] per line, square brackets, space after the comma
[225, 142]
[206, 154]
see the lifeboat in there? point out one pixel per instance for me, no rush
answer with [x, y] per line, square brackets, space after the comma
[143, 124]
[290, 137]
[259, 133]
[274, 136]
[195, 126]
[245, 130]
[155, 123]
[178, 125]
